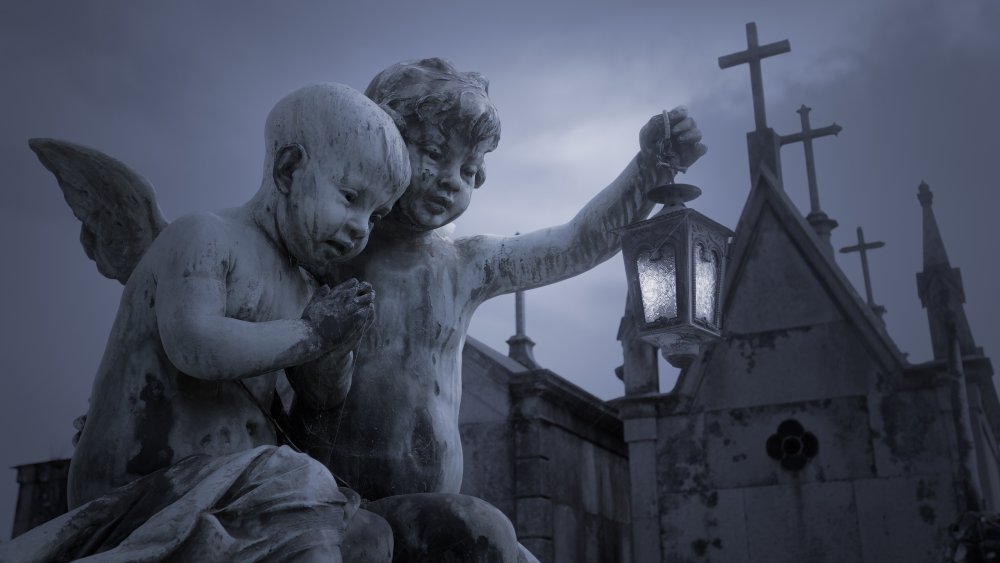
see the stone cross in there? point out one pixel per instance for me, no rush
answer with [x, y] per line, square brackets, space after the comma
[752, 56]
[819, 220]
[863, 247]
[806, 137]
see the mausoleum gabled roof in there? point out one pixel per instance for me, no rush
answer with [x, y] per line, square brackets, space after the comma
[766, 196]
[779, 282]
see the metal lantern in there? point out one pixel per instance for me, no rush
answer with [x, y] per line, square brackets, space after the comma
[675, 262]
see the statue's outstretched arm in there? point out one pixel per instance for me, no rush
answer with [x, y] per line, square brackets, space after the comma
[116, 205]
[507, 264]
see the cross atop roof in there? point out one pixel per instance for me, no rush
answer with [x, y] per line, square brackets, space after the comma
[753, 54]
[863, 247]
[806, 137]
[819, 220]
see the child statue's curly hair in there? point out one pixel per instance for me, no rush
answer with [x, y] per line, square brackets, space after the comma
[431, 92]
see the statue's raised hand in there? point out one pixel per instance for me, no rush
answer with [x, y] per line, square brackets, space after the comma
[674, 148]
[342, 314]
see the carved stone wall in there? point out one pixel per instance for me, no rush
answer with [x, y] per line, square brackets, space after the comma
[548, 454]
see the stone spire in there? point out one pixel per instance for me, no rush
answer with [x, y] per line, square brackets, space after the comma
[520, 345]
[940, 288]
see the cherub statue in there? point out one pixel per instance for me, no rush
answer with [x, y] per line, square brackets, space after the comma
[179, 458]
[391, 429]
[396, 435]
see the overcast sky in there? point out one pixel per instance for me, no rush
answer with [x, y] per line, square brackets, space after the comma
[180, 90]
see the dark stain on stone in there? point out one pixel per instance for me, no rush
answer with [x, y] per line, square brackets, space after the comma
[437, 388]
[453, 539]
[700, 546]
[186, 273]
[748, 344]
[714, 428]
[206, 440]
[251, 428]
[924, 491]
[152, 430]
[685, 467]
[226, 435]
[193, 387]
[927, 514]
[487, 273]
[739, 416]
[909, 419]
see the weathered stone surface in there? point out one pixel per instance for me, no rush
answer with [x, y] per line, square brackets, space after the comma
[814, 522]
[900, 518]
[735, 440]
[488, 452]
[910, 432]
[680, 455]
[570, 502]
[777, 289]
[804, 363]
[704, 527]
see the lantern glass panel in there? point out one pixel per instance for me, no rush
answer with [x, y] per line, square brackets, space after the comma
[658, 283]
[706, 283]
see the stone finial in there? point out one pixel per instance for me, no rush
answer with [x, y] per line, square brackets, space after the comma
[924, 194]
[940, 287]
[521, 347]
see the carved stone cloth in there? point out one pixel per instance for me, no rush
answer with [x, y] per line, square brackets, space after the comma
[268, 504]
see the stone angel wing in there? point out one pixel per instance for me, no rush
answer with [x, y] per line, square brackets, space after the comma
[116, 205]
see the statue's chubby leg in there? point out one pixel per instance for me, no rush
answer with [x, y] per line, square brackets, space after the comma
[368, 539]
[447, 528]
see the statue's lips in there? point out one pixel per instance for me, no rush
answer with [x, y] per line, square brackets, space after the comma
[438, 204]
[338, 248]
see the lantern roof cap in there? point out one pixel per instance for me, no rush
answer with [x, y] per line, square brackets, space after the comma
[674, 194]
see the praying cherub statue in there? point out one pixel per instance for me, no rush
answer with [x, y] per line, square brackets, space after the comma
[179, 457]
